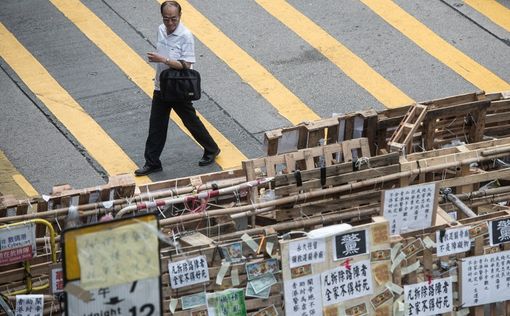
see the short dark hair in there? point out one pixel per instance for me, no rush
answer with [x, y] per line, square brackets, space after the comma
[173, 4]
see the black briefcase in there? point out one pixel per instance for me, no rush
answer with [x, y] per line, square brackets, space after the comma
[180, 85]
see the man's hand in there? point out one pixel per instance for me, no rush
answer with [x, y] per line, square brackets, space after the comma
[155, 57]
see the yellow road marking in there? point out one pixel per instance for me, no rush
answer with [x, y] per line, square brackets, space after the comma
[492, 9]
[22, 182]
[353, 66]
[12, 182]
[137, 69]
[250, 71]
[90, 134]
[421, 35]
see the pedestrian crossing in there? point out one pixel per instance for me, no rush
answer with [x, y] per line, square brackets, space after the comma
[87, 131]
[136, 69]
[12, 182]
[266, 83]
[493, 10]
[434, 45]
[383, 90]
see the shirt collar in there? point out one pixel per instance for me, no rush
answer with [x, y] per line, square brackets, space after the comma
[179, 30]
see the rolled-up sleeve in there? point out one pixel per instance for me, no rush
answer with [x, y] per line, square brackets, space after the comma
[188, 48]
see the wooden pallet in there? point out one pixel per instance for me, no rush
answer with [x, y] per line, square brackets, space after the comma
[402, 138]
[326, 131]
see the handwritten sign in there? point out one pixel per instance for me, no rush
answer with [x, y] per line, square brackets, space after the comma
[118, 256]
[306, 251]
[485, 279]
[452, 241]
[303, 296]
[29, 305]
[499, 231]
[350, 244]
[342, 283]
[428, 298]
[188, 272]
[410, 208]
[17, 243]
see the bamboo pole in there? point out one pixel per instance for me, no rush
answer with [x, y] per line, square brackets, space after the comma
[98, 207]
[326, 192]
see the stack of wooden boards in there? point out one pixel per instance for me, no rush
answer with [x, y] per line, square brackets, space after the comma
[451, 155]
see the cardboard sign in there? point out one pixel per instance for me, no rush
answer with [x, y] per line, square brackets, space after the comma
[350, 244]
[29, 305]
[484, 279]
[499, 231]
[452, 241]
[342, 283]
[303, 295]
[429, 298]
[188, 272]
[306, 251]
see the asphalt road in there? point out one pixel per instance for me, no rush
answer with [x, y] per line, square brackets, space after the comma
[265, 64]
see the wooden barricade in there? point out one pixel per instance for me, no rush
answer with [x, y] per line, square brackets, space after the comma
[326, 131]
[314, 187]
[465, 118]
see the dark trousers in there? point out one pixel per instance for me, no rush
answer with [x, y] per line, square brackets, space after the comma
[158, 127]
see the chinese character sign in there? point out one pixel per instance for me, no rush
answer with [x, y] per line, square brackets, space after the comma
[410, 208]
[306, 251]
[345, 283]
[350, 244]
[452, 241]
[29, 305]
[119, 255]
[499, 231]
[57, 280]
[17, 243]
[188, 272]
[485, 279]
[428, 298]
[303, 296]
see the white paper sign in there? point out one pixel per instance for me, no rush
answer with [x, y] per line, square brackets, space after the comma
[188, 272]
[409, 208]
[485, 279]
[341, 284]
[306, 251]
[17, 243]
[29, 305]
[57, 280]
[452, 241]
[428, 298]
[303, 295]
[141, 297]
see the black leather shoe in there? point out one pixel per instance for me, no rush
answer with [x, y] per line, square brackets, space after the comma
[208, 159]
[145, 170]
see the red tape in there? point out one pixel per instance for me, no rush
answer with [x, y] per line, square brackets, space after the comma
[347, 264]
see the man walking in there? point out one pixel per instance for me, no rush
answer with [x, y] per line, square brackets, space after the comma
[175, 49]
